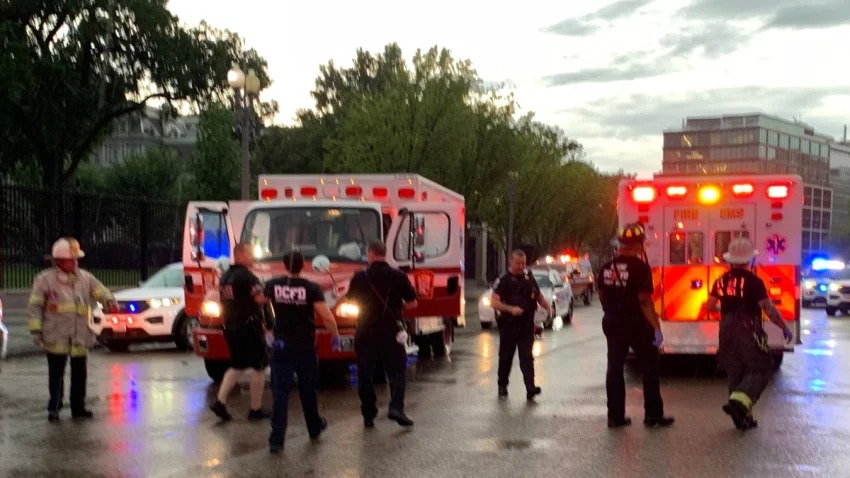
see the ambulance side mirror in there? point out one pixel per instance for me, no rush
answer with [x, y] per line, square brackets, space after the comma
[418, 234]
[196, 237]
[321, 264]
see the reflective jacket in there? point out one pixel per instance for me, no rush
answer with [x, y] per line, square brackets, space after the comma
[60, 307]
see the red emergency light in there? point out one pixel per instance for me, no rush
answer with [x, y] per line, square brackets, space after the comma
[379, 192]
[309, 191]
[354, 191]
[778, 191]
[644, 194]
[676, 191]
[288, 193]
[268, 194]
[406, 193]
[743, 190]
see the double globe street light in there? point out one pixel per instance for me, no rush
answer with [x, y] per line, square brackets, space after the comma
[245, 88]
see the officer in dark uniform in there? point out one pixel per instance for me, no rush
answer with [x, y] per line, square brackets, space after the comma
[625, 291]
[241, 295]
[296, 301]
[515, 299]
[381, 292]
[743, 351]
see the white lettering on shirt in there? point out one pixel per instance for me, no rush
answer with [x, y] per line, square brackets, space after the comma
[284, 294]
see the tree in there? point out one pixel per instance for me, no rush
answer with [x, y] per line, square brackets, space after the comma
[156, 174]
[214, 171]
[292, 149]
[69, 68]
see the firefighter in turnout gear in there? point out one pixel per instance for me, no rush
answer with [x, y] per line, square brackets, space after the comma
[743, 352]
[630, 321]
[60, 308]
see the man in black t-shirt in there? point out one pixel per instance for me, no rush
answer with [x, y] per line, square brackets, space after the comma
[625, 291]
[381, 292]
[241, 294]
[296, 301]
[743, 352]
[516, 296]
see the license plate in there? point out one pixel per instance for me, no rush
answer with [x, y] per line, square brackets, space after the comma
[347, 344]
[119, 328]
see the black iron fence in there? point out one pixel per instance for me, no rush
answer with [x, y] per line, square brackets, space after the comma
[125, 238]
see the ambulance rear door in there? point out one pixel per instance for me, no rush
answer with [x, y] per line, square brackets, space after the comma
[685, 259]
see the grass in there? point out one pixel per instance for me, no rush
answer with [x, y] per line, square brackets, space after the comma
[16, 276]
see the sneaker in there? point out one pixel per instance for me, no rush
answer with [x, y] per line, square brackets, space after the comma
[662, 421]
[258, 414]
[321, 429]
[275, 449]
[750, 423]
[400, 418]
[619, 423]
[82, 414]
[738, 412]
[533, 393]
[369, 422]
[503, 392]
[52, 416]
[221, 411]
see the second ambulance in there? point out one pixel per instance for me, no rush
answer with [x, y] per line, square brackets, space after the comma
[690, 221]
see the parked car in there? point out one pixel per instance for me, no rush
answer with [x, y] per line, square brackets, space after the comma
[558, 292]
[153, 312]
[838, 298]
[4, 334]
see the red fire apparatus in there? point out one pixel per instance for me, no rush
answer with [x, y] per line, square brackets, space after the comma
[331, 219]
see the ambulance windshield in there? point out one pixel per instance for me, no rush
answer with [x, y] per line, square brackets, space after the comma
[340, 233]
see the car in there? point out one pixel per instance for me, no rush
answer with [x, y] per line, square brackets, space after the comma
[558, 292]
[838, 297]
[4, 334]
[152, 312]
[816, 279]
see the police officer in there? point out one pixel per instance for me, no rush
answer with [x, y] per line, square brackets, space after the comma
[625, 291]
[241, 296]
[59, 308]
[296, 301]
[381, 292]
[516, 296]
[743, 351]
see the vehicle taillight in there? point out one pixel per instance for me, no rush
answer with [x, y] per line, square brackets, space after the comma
[379, 192]
[268, 194]
[676, 191]
[309, 191]
[742, 190]
[709, 195]
[354, 191]
[644, 194]
[777, 192]
[406, 193]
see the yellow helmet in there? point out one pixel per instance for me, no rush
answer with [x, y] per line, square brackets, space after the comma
[632, 234]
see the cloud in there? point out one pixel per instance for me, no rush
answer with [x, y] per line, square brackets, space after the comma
[736, 9]
[632, 71]
[823, 15]
[592, 22]
[712, 39]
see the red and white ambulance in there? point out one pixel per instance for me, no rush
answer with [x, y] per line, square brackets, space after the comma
[689, 222]
[331, 219]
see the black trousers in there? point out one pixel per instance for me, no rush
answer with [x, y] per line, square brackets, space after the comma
[620, 338]
[286, 363]
[516, 334]
[394, 358]
[56, 381]
[747, 367]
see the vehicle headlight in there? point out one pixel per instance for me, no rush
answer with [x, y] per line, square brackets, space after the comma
[211, 309]
[347, 310]
[834, 287]
[810, 284]
[163, 302]
[485, 301]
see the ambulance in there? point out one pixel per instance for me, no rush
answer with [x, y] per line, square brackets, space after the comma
[331, 219]
[690, 221]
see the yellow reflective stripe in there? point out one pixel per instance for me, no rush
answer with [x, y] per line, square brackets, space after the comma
[65, 348]
[79, 351]
[67, 307]
[102, 294]
[35, 325]
[36, 300]
[742, 398]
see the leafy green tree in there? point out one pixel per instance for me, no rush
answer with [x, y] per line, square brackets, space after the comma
[214, 171]
[156, 174]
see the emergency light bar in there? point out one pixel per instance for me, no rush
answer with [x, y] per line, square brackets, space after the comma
[709, 194]
[743, 190]
[644, 194]
[676, 191]
[824, 265]
[777, 191]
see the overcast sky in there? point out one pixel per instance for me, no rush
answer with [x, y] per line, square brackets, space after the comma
[612, 75]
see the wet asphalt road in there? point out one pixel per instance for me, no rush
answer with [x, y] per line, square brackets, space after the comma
[152, 418]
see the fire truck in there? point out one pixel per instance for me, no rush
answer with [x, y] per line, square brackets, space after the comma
[331, 219]
[690, 222]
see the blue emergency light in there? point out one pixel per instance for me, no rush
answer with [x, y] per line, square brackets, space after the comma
[824, 264]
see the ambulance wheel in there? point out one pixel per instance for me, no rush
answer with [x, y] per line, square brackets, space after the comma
[568, 317]
[831, 311]
[182, 332]
[777, 359]
[216, 369]
[486, 325]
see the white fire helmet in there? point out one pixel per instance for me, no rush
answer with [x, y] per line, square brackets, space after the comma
[67, 248]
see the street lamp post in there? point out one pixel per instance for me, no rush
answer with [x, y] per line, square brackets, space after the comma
[245, 89]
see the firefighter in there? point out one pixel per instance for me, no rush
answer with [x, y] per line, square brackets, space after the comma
[629, 320]
[381, 292]
[60, 307]
[241, 295]
[517, 296]
[296, 302]
[743, 352]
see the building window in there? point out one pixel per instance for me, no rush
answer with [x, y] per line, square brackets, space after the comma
[807, 196]
[762, 136]
[773, 138]
[816, 216]
[807, 242]
[815, 240]
[795, 142]
[816, 197]
[783, 141]
[826, 220]
[827, 199]
[804, 146]
[807, 217]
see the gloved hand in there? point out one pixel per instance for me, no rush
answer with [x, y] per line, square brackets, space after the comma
[789, 336]
[112, 307]
[336, 343]
[659, 338]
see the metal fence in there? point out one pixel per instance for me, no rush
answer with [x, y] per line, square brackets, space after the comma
[125, 238]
